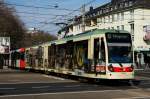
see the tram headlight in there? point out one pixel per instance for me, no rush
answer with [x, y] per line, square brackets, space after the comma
[130, 69]
[110, 68]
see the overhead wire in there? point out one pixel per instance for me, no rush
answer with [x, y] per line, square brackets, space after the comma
[40, 7]
[70, 13]
[44, 14]
[55, 18]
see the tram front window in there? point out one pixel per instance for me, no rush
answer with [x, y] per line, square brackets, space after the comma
[119, 54]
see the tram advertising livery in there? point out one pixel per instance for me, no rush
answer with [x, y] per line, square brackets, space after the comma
[18, 58]
[100, 54]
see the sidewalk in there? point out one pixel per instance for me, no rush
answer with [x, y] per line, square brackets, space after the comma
[8, 70]
[142, 72]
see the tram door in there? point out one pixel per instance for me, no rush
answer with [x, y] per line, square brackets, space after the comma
[99, 56]
[52, 56]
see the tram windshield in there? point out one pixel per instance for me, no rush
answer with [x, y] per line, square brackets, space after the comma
[119, 54]
[119, 48]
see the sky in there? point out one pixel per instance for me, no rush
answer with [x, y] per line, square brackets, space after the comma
[42, 14]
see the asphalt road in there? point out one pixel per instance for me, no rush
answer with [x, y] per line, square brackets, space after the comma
[16, 84]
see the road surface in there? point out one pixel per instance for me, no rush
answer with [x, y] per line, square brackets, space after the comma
[15, 84]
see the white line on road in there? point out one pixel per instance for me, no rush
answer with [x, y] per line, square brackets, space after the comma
[23, 82]
[57, 78]
[140, 97]
[73, 86]
[59, 93]
[41, 87]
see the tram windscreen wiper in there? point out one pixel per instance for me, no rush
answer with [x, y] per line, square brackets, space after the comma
[120, 64]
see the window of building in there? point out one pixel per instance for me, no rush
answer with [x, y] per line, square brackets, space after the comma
[132, 28]
[109, 20]
[126, 4]
[104, 19]
[122, 27]
[110, 8]
[79, 26]
[122, 16]
[107, 9]
[118, 28]
[121, 5]
[130, 3]
[101, 11]
[118, 17]
[115, 7]
[113, 18]
[99, 20]
[131, 14]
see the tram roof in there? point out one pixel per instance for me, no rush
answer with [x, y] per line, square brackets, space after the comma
[82, 36]
[87, 34]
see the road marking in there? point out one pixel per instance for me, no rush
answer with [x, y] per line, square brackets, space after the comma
[7, 88]
[73, 86]
[40, 87]
[57, 78]
[59, 93]
[140, 97]
[5, 83]
[145, 83]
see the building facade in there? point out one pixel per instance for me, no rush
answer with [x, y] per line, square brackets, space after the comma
[130, 15]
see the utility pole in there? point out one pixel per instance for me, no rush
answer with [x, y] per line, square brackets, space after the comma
[83, 17]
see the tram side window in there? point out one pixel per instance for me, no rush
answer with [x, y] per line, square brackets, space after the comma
[96, 48]
[52, 55]
[81, 54]
[22, 56]
[17, 54]
[61, 55]
[99, 49]
[102, 50]
[27, 56]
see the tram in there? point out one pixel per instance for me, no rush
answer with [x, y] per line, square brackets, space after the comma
[99, 54]
[18, 58]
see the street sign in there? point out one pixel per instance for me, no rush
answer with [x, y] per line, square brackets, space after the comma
[4, 45]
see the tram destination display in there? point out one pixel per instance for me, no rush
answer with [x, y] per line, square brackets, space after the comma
[118, 38]
[4, 45]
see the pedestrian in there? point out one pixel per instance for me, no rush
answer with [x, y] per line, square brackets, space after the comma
[1, 62]
[139, 61]
[135, 58]
[147, 62]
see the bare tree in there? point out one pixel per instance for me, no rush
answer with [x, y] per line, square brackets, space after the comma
[38, 37]
[11, 26]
